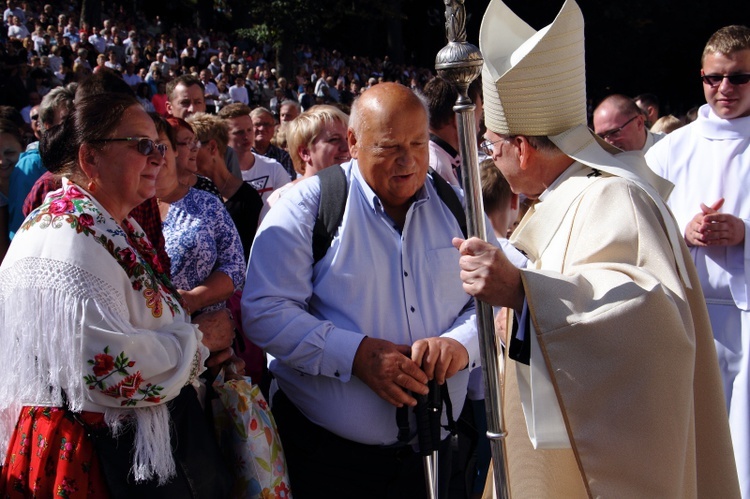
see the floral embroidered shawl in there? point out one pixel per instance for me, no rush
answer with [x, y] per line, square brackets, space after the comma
[86, 309]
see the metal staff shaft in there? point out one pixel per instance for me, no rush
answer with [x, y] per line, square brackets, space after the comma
[493, 363]
[428, 411]
[460, 63]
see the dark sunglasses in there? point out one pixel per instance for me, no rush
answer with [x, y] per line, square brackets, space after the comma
[145, 146]
[715, 80]
[34, 117]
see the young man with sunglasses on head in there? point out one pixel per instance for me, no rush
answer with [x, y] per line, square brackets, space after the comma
[709, 163]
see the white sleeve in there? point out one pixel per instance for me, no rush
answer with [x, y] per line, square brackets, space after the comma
[738, 267]
[275, 312]
[65, 330]
[131, 367]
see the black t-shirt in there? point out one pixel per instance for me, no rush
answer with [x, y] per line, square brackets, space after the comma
[244, 208]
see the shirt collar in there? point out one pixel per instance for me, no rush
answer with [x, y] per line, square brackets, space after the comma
[372, 198]
[713, 127]
[444, 145]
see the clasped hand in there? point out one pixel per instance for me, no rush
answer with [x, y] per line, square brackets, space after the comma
[712, 228]
[393, 371]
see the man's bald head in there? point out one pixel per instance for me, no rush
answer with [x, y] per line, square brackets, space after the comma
[387, 99]
[389, 136]
[619, 102]
[619, 121]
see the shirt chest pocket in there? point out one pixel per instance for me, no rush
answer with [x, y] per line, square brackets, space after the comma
[444, 277]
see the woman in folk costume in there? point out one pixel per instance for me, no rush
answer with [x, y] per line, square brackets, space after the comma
[95, 338]
[612, 387]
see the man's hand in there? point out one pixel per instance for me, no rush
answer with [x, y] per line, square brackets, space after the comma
[387, 369]
[439, 357]
[217, 359]
[217, 328]
[711, 228]
[487, 274]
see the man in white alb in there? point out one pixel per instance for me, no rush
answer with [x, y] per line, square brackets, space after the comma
[709, 163]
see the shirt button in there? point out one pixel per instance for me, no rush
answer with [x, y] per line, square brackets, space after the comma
[413, 309]
[337, 374]
[406, 274]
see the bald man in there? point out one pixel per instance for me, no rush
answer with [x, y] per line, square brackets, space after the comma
[357, 334]
[620, 122]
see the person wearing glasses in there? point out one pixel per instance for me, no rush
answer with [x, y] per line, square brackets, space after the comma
[97, 344]
[264, 126]
[35, 127]
[619, 121]
[147, 213]
[53, 108]
[201, 238]
[709, 163]
[611, 387]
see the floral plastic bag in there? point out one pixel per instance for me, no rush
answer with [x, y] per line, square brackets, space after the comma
[247, 434]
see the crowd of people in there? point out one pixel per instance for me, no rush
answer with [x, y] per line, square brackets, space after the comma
[55, 49]
[173, 210]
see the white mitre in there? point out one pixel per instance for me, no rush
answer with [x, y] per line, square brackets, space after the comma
[540, 75]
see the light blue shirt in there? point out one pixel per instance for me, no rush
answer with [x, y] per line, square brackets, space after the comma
[373, 281]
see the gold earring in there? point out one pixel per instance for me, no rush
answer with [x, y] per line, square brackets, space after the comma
[91, 186]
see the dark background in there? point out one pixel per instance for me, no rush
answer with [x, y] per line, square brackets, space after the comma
[632, 46]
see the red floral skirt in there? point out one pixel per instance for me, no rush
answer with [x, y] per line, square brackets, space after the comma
[49, 455]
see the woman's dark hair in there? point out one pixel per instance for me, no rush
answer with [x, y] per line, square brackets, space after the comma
[12, 114]
[103, 81]
[163, 126]
[9, 127]
[94, 118]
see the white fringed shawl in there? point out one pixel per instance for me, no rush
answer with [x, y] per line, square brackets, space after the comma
[84, 311]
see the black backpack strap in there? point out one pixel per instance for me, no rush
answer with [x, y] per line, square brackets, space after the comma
[333, 189]
[402, 421]
[449, 197]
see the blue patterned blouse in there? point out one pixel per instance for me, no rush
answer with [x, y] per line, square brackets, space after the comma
[200, 239]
